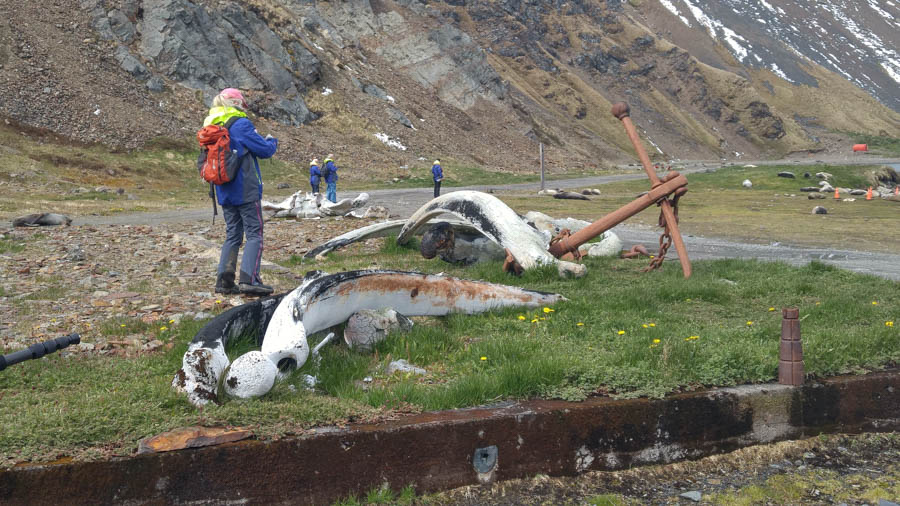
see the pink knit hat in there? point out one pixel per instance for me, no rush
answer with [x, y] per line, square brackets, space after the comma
[234, 93]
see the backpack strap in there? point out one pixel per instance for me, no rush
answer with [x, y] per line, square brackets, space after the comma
[231, 121]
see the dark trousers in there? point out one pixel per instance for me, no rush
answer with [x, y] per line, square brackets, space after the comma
[315, 187]
[437, 189]
[243, 220]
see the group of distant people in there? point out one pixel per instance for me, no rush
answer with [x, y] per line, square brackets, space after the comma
[240, 198]
[328, 172]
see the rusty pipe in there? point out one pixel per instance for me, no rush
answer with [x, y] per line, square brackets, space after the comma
[621, 111]
[567, 245]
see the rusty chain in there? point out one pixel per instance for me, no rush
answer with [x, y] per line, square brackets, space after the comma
[665, 240]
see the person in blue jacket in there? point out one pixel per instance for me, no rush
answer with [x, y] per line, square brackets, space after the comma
[240, 197]
[331, 178]
[314, 175]
[438, 176]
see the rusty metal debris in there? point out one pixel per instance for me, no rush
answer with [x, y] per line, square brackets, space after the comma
[191, 437]
[790, 357]
[673, 185]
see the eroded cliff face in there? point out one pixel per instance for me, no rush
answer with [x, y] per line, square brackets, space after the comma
[481, 81]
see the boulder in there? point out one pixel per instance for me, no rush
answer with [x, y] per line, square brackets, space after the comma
[747, 184]
[815, 195]
[367, 327]
[789, 175]
[819, 210]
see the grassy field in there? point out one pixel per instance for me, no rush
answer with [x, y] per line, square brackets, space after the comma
[622, 333]
[774, 210]
[40, 172]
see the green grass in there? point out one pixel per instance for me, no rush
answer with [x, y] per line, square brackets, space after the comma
[774, 210]
[880, 144]
[102, 405]
[11, 246]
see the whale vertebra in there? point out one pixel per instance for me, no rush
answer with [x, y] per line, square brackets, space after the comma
[490, 216]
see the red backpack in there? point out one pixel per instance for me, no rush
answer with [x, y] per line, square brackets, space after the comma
[217, 163]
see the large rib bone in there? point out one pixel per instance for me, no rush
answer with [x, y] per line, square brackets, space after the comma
[382, 229]
[490, 216]
[326, 300]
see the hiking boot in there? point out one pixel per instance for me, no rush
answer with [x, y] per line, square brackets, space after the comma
[225, 284]
[258, 289]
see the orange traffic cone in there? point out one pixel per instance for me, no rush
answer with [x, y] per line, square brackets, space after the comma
[869, 194]
[837, 196]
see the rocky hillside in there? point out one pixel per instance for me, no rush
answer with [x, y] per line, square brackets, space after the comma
[392, 83]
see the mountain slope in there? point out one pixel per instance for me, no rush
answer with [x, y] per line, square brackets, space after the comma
[390, 84]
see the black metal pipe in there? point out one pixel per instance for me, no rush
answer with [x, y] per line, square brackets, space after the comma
[38, 350]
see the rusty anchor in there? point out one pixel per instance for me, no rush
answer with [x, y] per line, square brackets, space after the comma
[565, 245]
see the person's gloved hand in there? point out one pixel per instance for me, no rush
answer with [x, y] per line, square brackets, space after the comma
[269, 136]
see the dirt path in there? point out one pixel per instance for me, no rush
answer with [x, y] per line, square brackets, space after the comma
[403, 202]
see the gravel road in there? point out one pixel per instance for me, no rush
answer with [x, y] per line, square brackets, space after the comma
[404, 201]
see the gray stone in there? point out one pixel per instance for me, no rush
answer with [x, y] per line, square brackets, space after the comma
[815, 195]
[399, 117]
[131, 64]
[375, 91]
[693, 495]
[404, 366]
[120, 25]
[819, 210]
[282, 186]
[233, 48]
[885, 502]
[156, 85]
[367, 327]
[789, 175]
[809, 189]
[857, 192]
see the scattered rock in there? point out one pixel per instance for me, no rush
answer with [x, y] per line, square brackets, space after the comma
[789, 175]
[815, 195]
[809, 189]
[857, 192]
[403, 366]
[693, 495]
[282, 186]
[824, 175]
[367, 327]
[747, 184]
[819, 210]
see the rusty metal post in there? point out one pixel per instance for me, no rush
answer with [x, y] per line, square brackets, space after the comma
[542, 166]
[621, 111]
[790, 357]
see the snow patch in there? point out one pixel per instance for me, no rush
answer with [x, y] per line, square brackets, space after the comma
[674, 10]
[391, 143]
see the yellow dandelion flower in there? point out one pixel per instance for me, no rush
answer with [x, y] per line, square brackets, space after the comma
[548, 310]
[579, 324]
[163, 328]
[889, 324]
[656, 341]
[817, 303]
[687, 300]
[534, 320]
[874, 302]
[484, 359]
[749, 323]
[122, 325]
[645, 326]
[218, 301]
[522, 317]
[542, 318]
[652, 324]
[771, 309]
[621, 332]
[171, 321]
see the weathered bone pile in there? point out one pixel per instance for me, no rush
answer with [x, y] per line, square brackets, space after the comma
[482, 228]
[314, 205]
[320, 302]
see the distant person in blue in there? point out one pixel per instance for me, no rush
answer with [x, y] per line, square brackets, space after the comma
[314, 175]
[331, 178]
[438, 176]
[240, 197]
